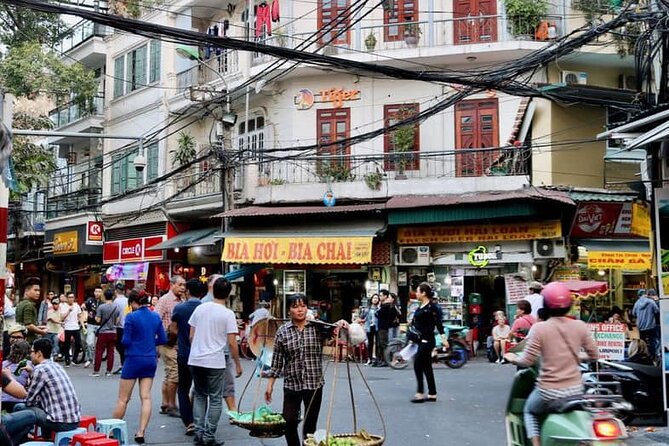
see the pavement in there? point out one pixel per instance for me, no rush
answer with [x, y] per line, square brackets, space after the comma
[470, 410]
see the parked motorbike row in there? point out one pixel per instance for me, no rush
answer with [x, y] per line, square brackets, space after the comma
[454, 356]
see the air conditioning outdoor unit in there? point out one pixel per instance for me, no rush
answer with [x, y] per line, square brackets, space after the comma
[414, 255]
[574, 77]
[549, 249]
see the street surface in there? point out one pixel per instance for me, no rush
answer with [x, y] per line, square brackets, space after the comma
[469, 411]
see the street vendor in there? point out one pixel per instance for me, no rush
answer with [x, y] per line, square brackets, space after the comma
[298, 349]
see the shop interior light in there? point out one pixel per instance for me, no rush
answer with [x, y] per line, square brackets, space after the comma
[176, 249]
[601, 272]
[197, 249]
[276, 282]
[534, 268]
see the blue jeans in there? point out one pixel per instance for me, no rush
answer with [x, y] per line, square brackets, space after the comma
[19, 424]
[53, 337]
[41, 420]
[207, 401]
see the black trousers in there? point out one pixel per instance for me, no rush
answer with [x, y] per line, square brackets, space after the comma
[119, 344]
[292, 401]
[383, 344]
[371, 338]
[422, 366]
[69, 335]
[183, 391]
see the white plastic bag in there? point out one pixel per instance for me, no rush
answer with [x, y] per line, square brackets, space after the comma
[408, 352]
[356, 334]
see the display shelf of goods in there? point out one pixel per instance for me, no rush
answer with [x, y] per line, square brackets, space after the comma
[631, 284]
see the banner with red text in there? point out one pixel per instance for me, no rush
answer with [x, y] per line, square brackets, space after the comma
[305, 250]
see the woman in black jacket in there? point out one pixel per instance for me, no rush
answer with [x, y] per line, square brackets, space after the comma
[425, 320]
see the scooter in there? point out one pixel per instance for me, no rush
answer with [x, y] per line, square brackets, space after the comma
[590, 420]
[454, 356]
[638, 384]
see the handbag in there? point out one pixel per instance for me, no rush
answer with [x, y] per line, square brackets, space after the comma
[414, 335]
[97, 330]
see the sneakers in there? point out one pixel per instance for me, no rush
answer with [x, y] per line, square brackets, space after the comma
[118, 371]
[94, 374]
[109, 374]
[87, 364]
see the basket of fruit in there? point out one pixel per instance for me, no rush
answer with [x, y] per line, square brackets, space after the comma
[362, 438]
[263, 423]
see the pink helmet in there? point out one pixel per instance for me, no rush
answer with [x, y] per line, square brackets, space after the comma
[556, 296]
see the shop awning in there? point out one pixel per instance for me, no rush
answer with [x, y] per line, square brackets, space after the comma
[241, 272]
[335, 243]
[196, 237]
[618, 254]
[587, 288]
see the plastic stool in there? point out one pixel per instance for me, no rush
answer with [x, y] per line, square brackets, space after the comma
[88, 422]
[104, 442]
[86, 438]
[64, 438]
[37, 443]
[114, 428]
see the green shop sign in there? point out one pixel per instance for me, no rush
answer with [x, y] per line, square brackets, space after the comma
[480, 257]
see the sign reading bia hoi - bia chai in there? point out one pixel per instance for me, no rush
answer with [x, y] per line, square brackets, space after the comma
[314, 250]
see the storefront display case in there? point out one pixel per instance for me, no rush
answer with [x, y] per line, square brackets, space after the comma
[632, 282]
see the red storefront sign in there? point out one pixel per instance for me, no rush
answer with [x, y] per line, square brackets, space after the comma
[94, 231]
[132, 250]
[602, 220]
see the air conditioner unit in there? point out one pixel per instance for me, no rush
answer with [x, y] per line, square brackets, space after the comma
[549, 249]
[414, 255]
[330, 50]
[574, 77]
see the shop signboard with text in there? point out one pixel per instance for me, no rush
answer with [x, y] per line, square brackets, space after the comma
[94, 231]
[305, 250]
[479, 233]
[132, 250]
[66, 243]
[606, 220]
[619, 260]
[610, 339]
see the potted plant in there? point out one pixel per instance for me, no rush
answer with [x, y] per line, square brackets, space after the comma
[373, 180]
[370, 41]
[524, 16]
[412, 34]
[336, 172]
[403, 142]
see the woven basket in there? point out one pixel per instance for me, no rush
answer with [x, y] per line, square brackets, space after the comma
[263, 430]
[375, 440]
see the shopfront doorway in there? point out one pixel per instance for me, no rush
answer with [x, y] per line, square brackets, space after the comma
[489, 284]
[336, 294]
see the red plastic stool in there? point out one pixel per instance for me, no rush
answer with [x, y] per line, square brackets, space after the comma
[104, 442]
[85, 439]
[88, 422]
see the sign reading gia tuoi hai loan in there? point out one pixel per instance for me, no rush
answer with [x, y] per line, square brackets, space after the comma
[479, 233]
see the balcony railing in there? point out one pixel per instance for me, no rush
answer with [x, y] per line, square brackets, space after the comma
[373, 168]
[196, 183]
[449, 32]
[71, 112]
[217, 68]
[80, 33]
[83, 200]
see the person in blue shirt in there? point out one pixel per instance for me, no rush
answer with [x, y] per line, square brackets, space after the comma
[143, 333]
[645, 311]
[195, 289]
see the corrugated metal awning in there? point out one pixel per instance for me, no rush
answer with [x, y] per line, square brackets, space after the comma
[616, 245]
[260, 211]
[607, 197]
[363, 228]
[196, 237]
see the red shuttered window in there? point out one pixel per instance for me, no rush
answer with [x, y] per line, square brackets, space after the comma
[333, 18]
[476, 127]
[403, 11]
[391, 114]
[333, 125]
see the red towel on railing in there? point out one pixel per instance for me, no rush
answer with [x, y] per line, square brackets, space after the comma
[263, 17]
[276, 11]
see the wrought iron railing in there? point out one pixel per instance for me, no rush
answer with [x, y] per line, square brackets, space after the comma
[71, 112]
[81, 32]
[83, 200]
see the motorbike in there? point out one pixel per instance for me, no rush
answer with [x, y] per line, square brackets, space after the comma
[454, 356]
[591, 420]
[637, 383]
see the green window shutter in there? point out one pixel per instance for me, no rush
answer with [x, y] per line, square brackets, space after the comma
[118, 77]
[140, 67]
[152, 153]
[154, 72]
[134, 178]
[116, 175]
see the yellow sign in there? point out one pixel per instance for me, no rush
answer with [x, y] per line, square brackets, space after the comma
[66, 243]
[314, 250]
[640, 220]
[619, 260]
[479, 233]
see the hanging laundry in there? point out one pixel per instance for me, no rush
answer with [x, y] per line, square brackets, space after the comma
[276, 11]
[210, 49]
[263, 17]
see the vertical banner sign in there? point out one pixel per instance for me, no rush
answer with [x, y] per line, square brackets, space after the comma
[610, 339]
[516, 289]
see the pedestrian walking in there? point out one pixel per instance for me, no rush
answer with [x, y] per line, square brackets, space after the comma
[26, 310]
[298, 358]
[386, 316]
[168, 351]
[425, 320]
[535, 298]
[143, 333]
[121, 301]
[368, 316]
[54, 323]
[106, 319]
[180, 327]
[70, 313]
[213, 327]
[91, 307]
[645, 311]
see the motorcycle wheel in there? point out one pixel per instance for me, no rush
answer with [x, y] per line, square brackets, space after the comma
[457, 358]
[392, 356]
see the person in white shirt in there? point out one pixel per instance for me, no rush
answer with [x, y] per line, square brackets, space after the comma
[501, 334]
[213, 327]
[535, 299]
[70, 313]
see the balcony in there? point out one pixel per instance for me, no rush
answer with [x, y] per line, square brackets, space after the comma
[85, 44]
[222, 68]
[81, 201]
[199, 190]
[455, 37]
[379, 175]
[69, 113]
